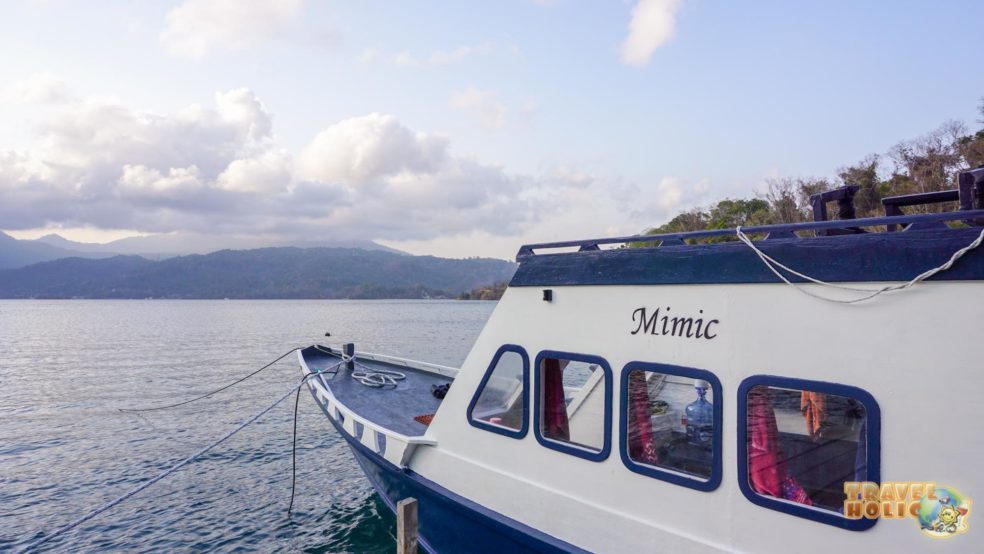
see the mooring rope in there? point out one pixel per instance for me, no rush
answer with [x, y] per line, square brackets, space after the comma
[772, 263]
[218, 390]
[33, 545]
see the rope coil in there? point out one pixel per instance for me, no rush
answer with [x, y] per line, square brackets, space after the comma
[867, 293]
[377, 378]
[369, 376]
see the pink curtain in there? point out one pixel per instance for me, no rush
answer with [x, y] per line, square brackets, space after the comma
[555, 424]
[767, 470]
[641, 445]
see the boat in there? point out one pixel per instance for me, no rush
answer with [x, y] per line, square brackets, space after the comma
[684, 393]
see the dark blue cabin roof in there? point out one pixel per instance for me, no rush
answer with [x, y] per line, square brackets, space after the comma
[862, 257]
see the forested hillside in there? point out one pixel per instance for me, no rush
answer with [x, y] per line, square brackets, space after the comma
[260, 273]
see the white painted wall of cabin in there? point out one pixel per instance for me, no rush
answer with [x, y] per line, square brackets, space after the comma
[917, 352]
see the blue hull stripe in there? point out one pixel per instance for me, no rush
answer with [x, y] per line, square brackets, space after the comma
[847, 258]
[448, 522]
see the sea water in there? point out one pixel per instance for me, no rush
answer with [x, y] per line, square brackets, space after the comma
[67, 366]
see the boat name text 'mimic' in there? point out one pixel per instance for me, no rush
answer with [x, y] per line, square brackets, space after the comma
[673, 326]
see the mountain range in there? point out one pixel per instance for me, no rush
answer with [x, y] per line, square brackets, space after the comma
[16, 253]
[283, 272]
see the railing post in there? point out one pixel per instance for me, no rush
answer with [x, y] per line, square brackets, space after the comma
[349, 350]
[406, 526]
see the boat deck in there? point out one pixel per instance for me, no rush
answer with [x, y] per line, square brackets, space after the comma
[391, 407]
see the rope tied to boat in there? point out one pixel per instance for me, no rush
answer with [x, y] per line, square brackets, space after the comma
[216, 391]
[33, 545]
[867, 293]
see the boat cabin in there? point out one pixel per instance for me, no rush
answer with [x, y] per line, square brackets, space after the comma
[663, 394]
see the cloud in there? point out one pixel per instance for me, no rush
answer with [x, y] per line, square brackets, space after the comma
[669, 196]
[652, 24]
[440, 57]
[101, 164]
[482, 103]
[269, 171]
[360, 149]
[571, 177]
[218, 169]
[196, 27]
[42, 88]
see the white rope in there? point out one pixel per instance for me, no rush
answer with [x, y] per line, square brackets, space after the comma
[369, 376]
[32, 546]
[375, 377]
[868, 294]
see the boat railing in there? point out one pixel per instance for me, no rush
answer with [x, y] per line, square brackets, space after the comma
[443, 370]
[970, 195]
[771, 232]
[395, 447]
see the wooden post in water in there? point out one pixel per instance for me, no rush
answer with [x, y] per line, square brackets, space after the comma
[406, 526]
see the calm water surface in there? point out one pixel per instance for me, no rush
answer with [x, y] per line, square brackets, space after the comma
[67, 366]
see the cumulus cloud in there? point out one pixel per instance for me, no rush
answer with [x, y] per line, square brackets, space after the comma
[361, 149]
[196, 27]
[218, 168]
[652, 24]
[44, 88]
[268, 172]
[102, 164]
[484, 104]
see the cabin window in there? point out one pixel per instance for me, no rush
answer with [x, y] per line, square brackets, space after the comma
[670, 427]
[573, 404]
[800, 441]
[500, 403]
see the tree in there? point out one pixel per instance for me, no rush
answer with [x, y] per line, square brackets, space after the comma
[782, 196]
[972, 147]
[745, 212]
[932, 160]
[867, 202]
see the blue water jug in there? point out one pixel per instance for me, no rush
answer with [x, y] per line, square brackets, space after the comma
[700, 416]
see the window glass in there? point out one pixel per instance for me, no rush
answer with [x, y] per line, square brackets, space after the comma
[670, 422]
[500, 402]
[803, 445]
[573, 402]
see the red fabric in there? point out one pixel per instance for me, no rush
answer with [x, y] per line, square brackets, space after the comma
[424, 419]
[767, 470]
[555, 424]
[641, 445]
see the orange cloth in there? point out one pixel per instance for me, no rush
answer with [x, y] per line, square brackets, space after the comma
[814, 408]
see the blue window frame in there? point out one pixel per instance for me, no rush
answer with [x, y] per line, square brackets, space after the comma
[496, 402]
[676, 458]
[847, 449]
[568, 446]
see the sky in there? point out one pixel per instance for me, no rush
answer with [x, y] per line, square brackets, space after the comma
[456, 129]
